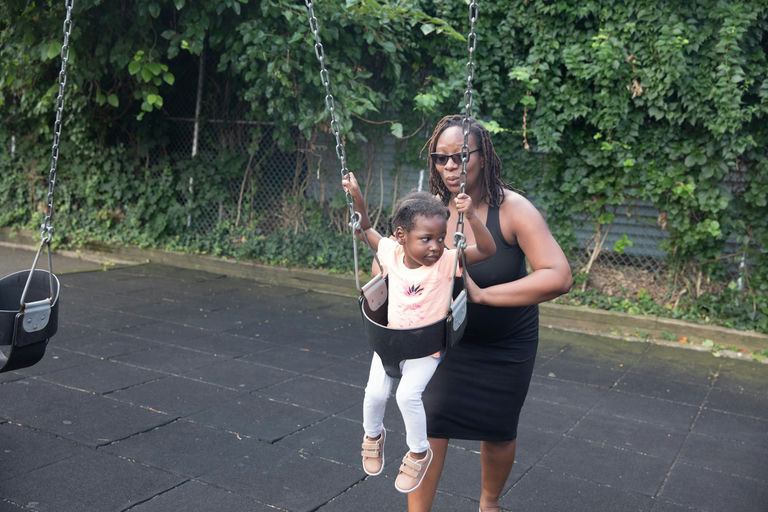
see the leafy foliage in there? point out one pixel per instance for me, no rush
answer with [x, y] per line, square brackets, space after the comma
[592, 104]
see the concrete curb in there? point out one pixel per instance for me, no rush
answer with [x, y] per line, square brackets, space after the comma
[651, 328]
[610, 324]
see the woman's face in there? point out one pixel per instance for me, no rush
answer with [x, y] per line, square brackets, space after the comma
[449, 143]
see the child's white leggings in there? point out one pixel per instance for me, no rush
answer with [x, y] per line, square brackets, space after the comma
[416, 375]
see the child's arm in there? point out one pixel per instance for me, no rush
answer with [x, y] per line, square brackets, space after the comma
[349, 183]
[484, 246]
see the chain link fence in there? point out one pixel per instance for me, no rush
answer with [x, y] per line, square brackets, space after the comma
[232, 183]
[257, 187]
[264, 189]
[251, 183]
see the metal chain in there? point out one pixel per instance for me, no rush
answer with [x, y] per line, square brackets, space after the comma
[459, 237]
[330, 105]
[47, 226]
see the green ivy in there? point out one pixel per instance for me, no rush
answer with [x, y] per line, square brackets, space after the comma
[593, 105]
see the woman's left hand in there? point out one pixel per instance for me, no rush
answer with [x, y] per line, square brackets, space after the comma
[474, 292]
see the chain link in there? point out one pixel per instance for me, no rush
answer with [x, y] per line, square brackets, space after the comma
[459, 238]
[330, 105]
[47, 226]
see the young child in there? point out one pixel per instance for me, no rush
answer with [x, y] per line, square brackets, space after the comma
[420, 271]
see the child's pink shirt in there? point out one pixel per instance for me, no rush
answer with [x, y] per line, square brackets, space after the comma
[417, 296]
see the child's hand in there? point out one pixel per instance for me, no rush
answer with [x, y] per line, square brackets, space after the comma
[464, 205]
[349, 184]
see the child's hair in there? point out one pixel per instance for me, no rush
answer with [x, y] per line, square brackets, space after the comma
[413, 204]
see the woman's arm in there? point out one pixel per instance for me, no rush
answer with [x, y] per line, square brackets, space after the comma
[551, 273]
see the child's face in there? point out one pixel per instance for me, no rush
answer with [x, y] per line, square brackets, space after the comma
[424, 243]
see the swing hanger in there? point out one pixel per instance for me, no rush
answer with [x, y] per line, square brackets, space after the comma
[395, 345]
[46, 233]
[459, 238]
[29, 302]
[330, 105]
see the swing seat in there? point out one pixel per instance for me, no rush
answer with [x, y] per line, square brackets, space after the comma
[24, 332]
[395, 345]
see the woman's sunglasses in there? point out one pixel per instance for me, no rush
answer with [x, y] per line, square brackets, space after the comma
[441, 159]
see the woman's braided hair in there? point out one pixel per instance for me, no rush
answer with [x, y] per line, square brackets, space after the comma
[492, 184]
[414, 204]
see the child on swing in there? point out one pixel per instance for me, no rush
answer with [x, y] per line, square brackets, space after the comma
[420, 271]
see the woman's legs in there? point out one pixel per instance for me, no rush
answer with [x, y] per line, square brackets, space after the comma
[497, 458]
[421, 499]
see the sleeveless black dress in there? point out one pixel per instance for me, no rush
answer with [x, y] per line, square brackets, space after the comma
[480, 386]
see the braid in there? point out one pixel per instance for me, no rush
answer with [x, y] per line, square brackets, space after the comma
[491, 183]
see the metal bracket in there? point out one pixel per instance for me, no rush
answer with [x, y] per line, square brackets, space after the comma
[459, 310]
[36, 315]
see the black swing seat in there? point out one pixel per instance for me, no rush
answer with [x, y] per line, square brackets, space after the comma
[395, 345]
[24, 332]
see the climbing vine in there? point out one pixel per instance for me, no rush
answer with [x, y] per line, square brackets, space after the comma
[593, 105]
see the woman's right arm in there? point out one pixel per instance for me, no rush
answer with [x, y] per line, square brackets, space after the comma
[551, 273]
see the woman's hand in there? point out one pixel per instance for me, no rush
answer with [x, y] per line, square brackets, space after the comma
[474, 292]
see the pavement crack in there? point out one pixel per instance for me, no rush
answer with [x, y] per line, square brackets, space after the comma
[134, 434]
[343, 492]
[702, 407]
[141, 502]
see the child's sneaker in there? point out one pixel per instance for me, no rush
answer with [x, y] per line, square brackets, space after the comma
[373, 454]
[412, 472]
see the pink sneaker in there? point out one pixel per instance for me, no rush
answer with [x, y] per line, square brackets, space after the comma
[412, 472]
[373, 454]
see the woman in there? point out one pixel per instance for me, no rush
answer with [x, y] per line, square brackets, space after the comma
[479, 388]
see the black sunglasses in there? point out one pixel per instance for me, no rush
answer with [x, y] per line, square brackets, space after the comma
[441, 159]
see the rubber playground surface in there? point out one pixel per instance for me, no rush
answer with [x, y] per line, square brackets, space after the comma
[177, 390]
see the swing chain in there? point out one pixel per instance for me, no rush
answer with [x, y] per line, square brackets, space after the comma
[459, 238]
[330, 103]
[47, 226]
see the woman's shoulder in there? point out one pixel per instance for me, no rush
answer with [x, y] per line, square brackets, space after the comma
[516, 214]
[515, 203]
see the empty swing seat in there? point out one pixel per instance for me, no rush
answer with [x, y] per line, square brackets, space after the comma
[24, 332]
[395, 345]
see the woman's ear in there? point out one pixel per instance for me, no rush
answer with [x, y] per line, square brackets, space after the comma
[400, 235]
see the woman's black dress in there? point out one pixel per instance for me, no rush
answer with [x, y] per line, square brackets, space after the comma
[480, 386]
